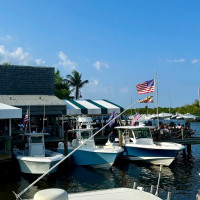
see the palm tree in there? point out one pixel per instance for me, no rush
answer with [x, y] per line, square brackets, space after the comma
[76, 83]
[61, 87]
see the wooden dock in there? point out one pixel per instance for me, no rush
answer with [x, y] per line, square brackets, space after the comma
[186, 141]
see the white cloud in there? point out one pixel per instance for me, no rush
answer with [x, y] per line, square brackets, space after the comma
[181, 60]
[98, 65]
[124, 90]
[39, 61]
[6, 38]
[95, 82]
[18, 56]
[195, 61]
[66, 62]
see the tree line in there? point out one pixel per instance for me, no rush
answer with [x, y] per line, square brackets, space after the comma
[194, 109]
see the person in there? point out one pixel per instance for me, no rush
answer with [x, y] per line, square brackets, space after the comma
[178, 126]
[21, 126]
[111, 137]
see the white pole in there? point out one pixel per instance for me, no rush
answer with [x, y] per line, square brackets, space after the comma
[47, 172]
[169, 102]
[199, 96]
[157, 97]
[43, 119]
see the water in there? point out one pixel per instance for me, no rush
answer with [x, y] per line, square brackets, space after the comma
[181, 178]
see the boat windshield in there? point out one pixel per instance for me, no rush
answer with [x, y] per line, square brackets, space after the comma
[86, 134]
[142, 133]
[36, 140]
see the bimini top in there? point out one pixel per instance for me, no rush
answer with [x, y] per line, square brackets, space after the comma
[34, 134]
[91, 107]
[10, 112]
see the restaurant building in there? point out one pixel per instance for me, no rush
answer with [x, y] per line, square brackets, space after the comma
[32, 89]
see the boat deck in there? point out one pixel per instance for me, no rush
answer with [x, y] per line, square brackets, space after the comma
[116, 194]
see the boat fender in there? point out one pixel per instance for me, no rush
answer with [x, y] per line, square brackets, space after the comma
[51, 194]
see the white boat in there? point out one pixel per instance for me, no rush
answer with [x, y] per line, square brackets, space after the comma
[89, 154]
[35, 159]
[107, 194]
[138, 145]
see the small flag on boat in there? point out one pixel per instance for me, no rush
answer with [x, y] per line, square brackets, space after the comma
[147, 100]
[146, 87]
[110, 120]
[26, 120]
[135, 118]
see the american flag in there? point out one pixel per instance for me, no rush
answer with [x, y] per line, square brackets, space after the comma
[135, 118]
[26, 121]
[146, 87]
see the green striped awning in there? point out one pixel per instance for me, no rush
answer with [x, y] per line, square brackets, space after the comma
[91, 107]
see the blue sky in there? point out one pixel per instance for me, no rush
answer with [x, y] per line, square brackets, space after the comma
[115, 44]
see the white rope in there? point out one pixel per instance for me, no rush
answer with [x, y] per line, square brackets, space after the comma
[22, 192]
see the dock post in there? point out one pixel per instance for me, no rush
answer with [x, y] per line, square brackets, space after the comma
[182, 133]
[66, 142]
[184, 153]
[158, 135]
[188, 148]
[120, 137]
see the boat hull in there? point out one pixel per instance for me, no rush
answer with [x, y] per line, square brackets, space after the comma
[154, 156]
[30, 167]
[38, 165]
[95, 158]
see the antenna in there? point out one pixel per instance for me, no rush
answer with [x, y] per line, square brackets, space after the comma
[169, 102]
[157, 97]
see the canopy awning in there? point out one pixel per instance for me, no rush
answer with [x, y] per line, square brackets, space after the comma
[91, 107]
[10, 112]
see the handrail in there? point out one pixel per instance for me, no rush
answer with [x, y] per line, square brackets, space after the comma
[47, 172]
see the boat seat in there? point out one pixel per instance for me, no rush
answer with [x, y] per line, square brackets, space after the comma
[36, 149]
[51, 194]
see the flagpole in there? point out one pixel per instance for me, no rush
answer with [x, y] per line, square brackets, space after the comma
[199, 96]
[131, 107]
[169, 102]
[147, 103]
[157, 98]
